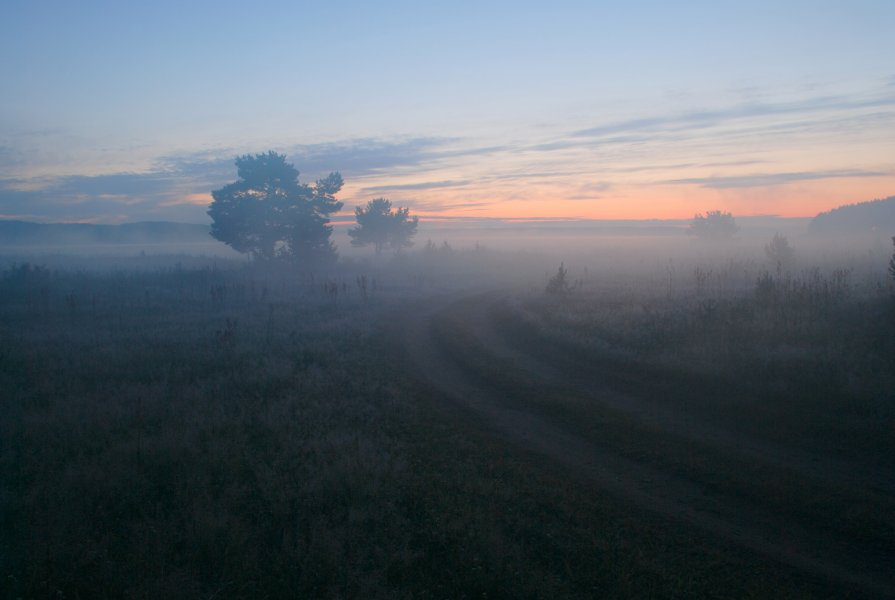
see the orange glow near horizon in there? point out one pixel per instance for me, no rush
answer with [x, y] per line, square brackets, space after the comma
[635, 202]
[199, 199]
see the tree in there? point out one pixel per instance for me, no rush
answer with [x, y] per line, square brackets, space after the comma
[382, 226]
[892, 261]
[779, 252]
[268, 214]
[714, 225]
[558, 284]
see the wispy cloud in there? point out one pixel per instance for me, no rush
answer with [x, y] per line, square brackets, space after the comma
[426, 185]
[521, 176]
[707, 118]
[10, 157]
[770, 179]
[685, 166]
[437, 207]
[50, 206]
[575, 141]
[118, 184]
[365, 156]
[527, 164]
[727, 131]
[354, 157]
[139, 196]
[171, 186]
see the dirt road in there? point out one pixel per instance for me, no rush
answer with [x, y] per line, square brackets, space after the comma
[459, 371]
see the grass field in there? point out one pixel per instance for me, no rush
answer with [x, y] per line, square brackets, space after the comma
[218, 431]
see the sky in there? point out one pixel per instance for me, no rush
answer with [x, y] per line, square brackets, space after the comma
[131, 111]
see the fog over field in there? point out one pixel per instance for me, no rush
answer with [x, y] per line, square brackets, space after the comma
[479, 300]
[643, 405]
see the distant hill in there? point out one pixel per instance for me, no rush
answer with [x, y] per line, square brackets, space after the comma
[863, 217]
[24, 233]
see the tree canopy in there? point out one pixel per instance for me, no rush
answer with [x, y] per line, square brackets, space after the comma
[714, 225]
[269, 214]
[779, 252]
[381, 226]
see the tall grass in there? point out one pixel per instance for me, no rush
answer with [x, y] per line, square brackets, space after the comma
[814, 348]
[187, 432]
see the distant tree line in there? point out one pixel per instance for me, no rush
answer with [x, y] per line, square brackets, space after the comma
[713, 225]
[863, 217]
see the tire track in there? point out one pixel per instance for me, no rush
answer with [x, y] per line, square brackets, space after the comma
[649, 488]
[478, 314]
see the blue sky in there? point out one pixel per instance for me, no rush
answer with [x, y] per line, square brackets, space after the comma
[117, 111]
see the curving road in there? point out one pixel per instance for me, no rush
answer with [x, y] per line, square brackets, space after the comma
[455, 368]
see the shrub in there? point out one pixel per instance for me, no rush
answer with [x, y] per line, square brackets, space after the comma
[559, 283]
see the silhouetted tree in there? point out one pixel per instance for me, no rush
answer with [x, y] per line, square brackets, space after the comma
[382, 226]
[267, 213]
[713, 225]
[559, 283]
[892, 261]
[779, 252]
